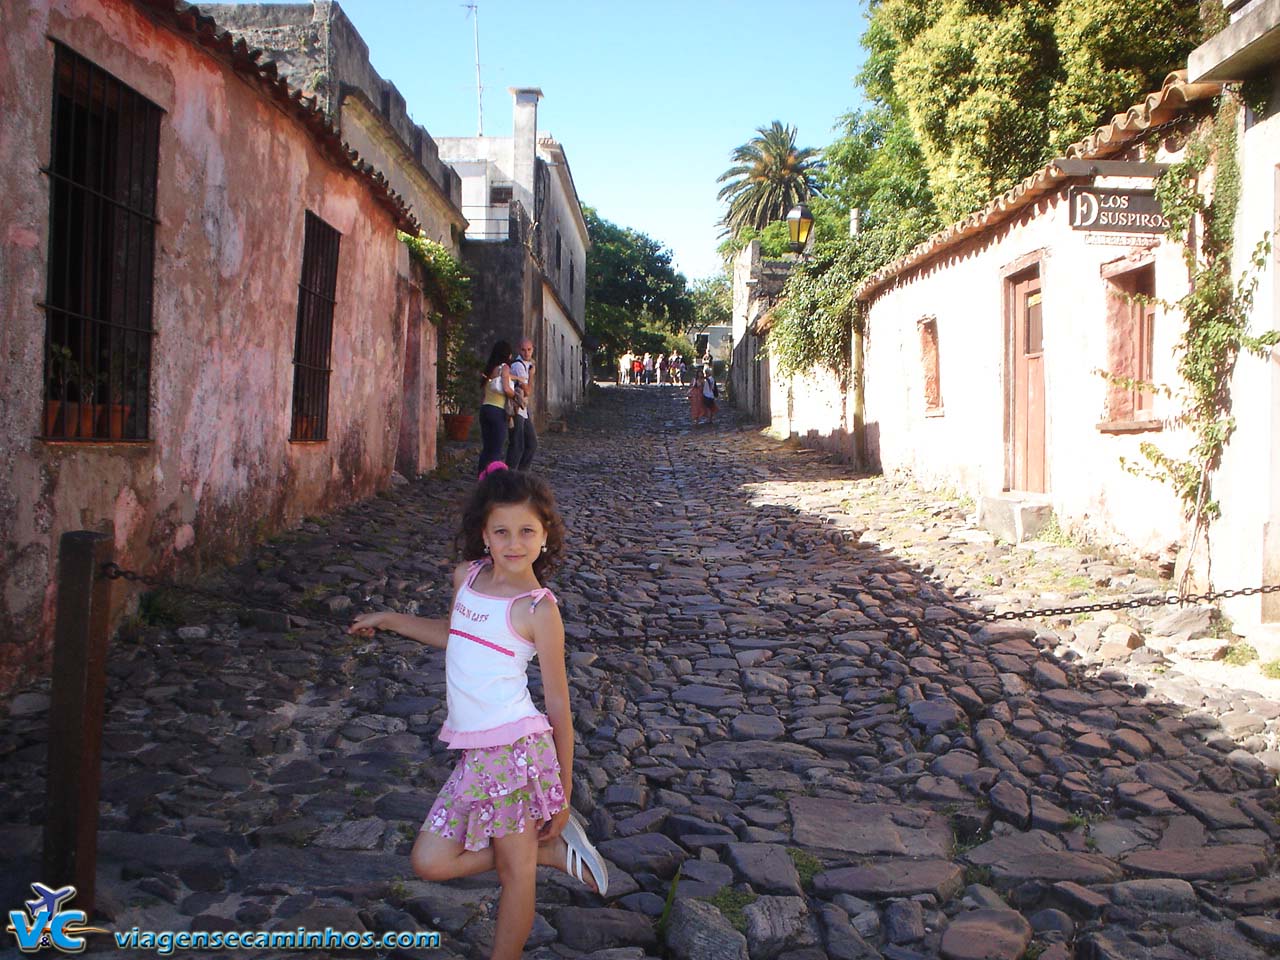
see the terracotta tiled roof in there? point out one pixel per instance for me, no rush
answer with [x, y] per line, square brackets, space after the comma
[1172, 99]
[203, 30]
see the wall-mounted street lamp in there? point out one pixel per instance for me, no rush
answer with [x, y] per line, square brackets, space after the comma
[799, 225]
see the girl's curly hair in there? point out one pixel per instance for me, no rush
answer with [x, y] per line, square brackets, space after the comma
[503, 487]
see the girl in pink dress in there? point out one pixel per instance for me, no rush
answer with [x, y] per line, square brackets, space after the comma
[506, 804]
[696, 410]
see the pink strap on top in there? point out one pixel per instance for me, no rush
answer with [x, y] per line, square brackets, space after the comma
[538, 596]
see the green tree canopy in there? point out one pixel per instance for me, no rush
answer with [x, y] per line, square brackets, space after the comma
[770, 175]
[635, 297]
[712, 301]
[993, 89]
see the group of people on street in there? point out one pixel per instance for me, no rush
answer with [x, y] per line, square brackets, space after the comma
[648, 368]
[507, 435]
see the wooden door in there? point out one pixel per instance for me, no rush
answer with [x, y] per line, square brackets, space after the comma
[1028, 413]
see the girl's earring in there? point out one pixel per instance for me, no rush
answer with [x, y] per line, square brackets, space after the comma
[544, 548]
[486, 548]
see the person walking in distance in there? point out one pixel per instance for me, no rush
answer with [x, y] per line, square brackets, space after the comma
[524, 439]
[506, 804]
[697, 410]
[498, 390]
[710, 394]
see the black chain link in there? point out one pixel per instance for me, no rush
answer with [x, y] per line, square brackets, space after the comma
[113, 571]
[1134, 604]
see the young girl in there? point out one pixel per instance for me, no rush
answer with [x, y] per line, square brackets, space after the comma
[710, 391]
[506, 804]
[696, 409]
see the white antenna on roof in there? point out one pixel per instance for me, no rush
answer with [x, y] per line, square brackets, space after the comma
[473, 10]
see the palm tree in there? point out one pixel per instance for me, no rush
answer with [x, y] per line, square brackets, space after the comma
[770, 176]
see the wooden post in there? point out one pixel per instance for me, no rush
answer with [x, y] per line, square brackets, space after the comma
[857, 373]
[75, 714]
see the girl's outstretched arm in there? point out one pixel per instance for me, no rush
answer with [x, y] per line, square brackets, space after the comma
[548, 637]
[431, 633]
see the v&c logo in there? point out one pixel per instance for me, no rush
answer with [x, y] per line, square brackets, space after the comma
[49, 925]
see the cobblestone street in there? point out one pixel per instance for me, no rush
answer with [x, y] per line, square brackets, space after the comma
[760, 711]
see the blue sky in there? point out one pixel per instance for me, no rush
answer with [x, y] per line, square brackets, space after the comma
[647, 96]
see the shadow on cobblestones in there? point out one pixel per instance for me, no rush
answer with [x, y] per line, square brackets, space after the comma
[754, 710]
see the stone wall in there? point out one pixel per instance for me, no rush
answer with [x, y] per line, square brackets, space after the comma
[318, 50]
[757, 284]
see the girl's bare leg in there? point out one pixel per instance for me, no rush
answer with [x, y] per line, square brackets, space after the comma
[516, 859]
[437, 859]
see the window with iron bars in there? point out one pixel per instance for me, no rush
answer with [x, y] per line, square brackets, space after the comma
[103, 159]
[314, 337]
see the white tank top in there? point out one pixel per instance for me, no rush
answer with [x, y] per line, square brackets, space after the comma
[485, 670]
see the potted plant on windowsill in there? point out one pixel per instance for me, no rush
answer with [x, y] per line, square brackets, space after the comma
[61, 363]
[114, 415]
[80, 416]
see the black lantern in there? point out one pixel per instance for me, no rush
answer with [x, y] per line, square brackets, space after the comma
[799, 224]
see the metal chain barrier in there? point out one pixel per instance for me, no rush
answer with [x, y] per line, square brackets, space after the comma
[1134, 604]
[113, 571]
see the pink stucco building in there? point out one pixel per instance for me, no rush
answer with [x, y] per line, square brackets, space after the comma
[208, 328]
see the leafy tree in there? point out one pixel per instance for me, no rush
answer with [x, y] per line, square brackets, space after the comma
[993, 89]
[712, 302]
[1112, 52]
[876, 167]
[769, 177]
[635, 298]
[976, 86]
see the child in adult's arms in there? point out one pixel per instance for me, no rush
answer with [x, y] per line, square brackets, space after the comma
[506, 804]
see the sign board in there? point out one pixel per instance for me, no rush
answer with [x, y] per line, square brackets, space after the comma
[1116, 211]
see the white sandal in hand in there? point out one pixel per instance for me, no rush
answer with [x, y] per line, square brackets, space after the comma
[579, 852]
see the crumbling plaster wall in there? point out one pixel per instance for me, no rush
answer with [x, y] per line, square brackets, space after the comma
[236, 176]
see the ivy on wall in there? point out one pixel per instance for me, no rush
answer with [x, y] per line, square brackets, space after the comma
[814, 322]
[448, 279]
[1215, 310]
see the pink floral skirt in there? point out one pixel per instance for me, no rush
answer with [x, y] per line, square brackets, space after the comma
[495, 791]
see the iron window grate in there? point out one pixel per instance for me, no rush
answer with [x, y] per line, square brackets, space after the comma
[103, 162]
[314, 337]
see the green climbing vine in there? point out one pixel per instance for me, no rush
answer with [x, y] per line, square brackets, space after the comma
[449, 280]
[1215, 310]
[815, 318]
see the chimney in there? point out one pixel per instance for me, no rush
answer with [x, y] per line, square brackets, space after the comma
[524, 143]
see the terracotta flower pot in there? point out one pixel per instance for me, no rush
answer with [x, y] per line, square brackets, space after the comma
[457, 425]
[79, 419]
[112, 419]
[52, 418]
